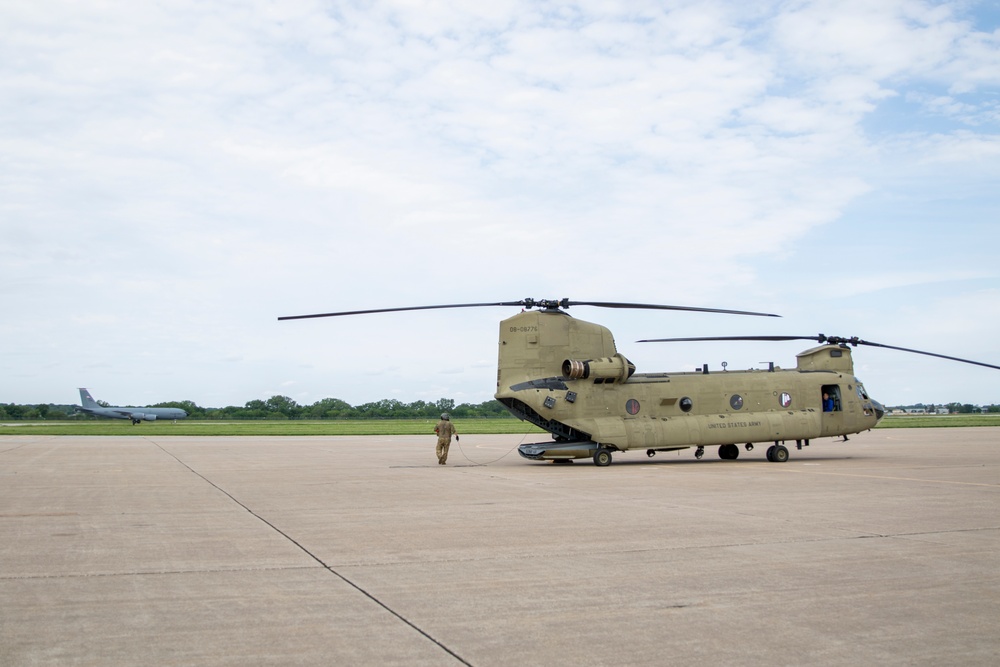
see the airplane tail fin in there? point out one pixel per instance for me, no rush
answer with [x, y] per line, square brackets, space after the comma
[87, 400]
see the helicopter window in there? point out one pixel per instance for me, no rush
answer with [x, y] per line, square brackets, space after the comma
[862, 394]
[831, 398]
[736, 401]
[686, 404]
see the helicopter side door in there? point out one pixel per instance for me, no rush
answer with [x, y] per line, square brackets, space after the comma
[833, 407]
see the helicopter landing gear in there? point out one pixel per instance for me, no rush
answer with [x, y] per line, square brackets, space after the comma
[777, 454]
[602, 457]
[729, 452]
[748, 446]
[650, 453]
[700, 452]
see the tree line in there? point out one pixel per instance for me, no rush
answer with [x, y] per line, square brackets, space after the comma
[283, 407]
[954, 408]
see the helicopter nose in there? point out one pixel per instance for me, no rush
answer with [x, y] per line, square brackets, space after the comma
[879, 410]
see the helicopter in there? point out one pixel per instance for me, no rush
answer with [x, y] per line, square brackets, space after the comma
[566, 376]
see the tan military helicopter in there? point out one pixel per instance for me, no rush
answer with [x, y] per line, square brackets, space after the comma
[566, 376]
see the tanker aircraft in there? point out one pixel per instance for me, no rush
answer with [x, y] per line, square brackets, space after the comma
[137, 415]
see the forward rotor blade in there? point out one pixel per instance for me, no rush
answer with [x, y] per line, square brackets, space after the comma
[833, 340]
[929, 354]
[729, 338]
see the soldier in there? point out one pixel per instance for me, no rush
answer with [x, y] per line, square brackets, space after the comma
[444, 429]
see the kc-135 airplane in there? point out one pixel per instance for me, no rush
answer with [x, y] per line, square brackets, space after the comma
[137, 415]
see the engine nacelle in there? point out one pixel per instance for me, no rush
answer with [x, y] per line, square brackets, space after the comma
[609, 368]
[149, 418]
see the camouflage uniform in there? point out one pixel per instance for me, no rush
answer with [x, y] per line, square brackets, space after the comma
[444, 429]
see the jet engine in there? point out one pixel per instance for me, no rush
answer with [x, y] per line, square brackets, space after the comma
[607, 368]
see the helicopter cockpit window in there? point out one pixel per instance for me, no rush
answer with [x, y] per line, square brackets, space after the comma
[862, 394]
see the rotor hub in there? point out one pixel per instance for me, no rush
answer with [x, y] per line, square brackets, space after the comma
[547, 304]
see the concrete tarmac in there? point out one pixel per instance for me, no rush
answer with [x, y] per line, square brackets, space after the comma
[362, 551]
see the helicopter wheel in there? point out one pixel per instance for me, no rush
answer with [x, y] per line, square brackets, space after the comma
[770, 453]
[602, 457]
[780, 454]
[729, 452]
[650, 453]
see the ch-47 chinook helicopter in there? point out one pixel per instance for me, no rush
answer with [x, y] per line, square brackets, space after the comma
[566, 376]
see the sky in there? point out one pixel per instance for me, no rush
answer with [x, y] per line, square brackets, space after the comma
[176, 176]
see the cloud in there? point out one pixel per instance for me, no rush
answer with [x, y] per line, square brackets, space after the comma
[176, 176]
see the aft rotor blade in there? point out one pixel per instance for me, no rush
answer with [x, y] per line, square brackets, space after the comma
[397, 310]
[652, 306]
[548, 304]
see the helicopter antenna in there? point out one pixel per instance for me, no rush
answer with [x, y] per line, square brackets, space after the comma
[545, 304]
[830, 340]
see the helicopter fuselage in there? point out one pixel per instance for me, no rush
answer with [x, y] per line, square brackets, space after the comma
[566, 376]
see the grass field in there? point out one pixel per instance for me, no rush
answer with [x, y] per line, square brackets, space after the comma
[272, 428]
[373, 427]
[938, 421]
